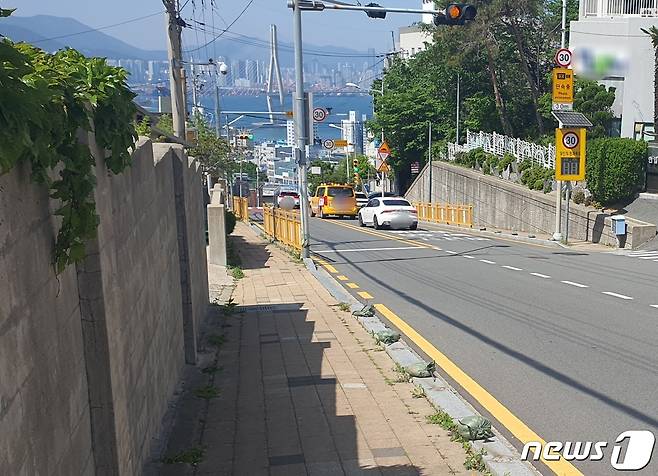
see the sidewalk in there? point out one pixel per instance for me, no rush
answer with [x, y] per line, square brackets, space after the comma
[293, 385]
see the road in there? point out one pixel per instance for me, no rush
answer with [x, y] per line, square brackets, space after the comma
[567, 341]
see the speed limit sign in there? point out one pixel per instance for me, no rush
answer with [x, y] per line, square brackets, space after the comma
[319, 114]
[563, 57]
[570, 149]
[570, 140]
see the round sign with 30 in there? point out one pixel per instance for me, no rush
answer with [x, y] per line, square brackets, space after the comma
[570, 140]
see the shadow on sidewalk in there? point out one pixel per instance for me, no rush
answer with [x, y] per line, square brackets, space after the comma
[307, 425]
[278, 409]
[250, 256]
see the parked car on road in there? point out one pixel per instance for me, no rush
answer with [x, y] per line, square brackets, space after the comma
[393, 212]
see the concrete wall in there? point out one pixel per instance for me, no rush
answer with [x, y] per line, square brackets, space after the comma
[505, 205]
[90, 359]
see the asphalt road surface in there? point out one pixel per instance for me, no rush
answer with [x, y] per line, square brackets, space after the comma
[567, 341]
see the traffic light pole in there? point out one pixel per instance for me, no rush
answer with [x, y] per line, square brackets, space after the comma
[300, 118]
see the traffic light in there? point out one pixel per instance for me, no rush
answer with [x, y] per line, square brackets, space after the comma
[381, 15]
[357, 178]
[355, 164]
[456, 14]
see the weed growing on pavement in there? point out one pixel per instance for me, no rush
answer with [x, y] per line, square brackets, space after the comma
[403, 375]
[418, 392]
[229, 308]
[206, 392]
[343, 306]
[216, 340]
[192, 456]
[474, 460]
[236, 272]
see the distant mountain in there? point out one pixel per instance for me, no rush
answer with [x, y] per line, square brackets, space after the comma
[94, 43]
[53, 33]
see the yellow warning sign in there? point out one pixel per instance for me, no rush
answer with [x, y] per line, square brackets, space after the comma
[562, 86]
[570, 147]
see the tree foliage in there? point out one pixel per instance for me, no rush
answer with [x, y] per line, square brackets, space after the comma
[46, 100]
[503, 60]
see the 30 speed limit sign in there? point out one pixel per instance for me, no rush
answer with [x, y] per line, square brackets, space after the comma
[570, 154]
[563, 57]
[319, 114]
[570, 140]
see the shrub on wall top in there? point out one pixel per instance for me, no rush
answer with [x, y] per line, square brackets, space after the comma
[616, 168]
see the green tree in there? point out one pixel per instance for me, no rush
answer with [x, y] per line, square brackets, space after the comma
[212, 151]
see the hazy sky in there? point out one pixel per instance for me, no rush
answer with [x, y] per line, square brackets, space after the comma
[348, 29]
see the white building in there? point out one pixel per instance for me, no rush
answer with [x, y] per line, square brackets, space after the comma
[609, 46]
[413, 38]
[291, 137]
[352, 132]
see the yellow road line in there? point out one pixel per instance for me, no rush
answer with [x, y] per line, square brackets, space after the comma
[352, 285]
[493, 406]
[365, 295]
[331, 269]
[343, 278]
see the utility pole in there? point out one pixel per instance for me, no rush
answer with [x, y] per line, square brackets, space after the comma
[429, 159]
[176, 78]
[300, 121]
[218, 122]
[557, 236]
[194, 90]
[458, 104]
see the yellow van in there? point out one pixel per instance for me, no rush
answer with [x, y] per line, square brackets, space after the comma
[334, 199]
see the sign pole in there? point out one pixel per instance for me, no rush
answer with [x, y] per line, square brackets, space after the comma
[430, 160]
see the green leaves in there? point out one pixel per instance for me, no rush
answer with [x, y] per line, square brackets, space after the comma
[46, 101]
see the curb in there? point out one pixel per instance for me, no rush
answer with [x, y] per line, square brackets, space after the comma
[501, 458]
[493, 234]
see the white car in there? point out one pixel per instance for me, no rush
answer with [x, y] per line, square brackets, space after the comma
[393, 212]
[361, 199]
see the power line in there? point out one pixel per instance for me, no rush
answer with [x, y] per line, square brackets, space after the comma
[249, 3]
[100, 28]
[257, 42]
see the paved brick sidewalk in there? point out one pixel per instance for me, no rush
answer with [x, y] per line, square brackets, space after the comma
[302, 387]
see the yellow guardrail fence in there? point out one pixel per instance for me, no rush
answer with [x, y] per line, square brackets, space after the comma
[284, 226]
[241, 208]
[461, 215]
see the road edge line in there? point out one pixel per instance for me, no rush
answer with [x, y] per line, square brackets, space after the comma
[502, 457]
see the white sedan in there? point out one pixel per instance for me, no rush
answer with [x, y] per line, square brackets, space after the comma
[393, 212]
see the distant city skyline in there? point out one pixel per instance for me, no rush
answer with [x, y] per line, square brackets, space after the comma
[341, 29]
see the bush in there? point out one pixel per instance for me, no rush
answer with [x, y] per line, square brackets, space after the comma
[506, 161]
[230, 221]
[536, 177]
[616, 168]
[578, 196]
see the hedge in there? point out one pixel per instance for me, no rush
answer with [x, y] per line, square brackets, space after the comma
[616, 168]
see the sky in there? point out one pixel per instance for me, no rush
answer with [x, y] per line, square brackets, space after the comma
[331, 28]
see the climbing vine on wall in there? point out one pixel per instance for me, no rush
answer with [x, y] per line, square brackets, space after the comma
[46, 101]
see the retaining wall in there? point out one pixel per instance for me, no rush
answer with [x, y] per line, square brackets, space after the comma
[505, 205]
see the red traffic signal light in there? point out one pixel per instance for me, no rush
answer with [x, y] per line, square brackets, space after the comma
[456, 14]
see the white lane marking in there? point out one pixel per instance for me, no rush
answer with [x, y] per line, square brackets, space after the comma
[487, 261]
[512, 268]
[353, 250]
[620, 296]
[578, 285]
[539, 275]
[437, 248]
[654, 305]
[647, 257]
[451, 252]
[468, 257]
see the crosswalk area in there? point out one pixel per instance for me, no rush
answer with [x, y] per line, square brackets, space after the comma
[431, 235]
[643, 255]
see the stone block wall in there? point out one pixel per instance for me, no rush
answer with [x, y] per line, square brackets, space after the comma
[90, 359]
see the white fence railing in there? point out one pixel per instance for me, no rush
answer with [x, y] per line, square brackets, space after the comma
[500, 145]
[613, 8]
